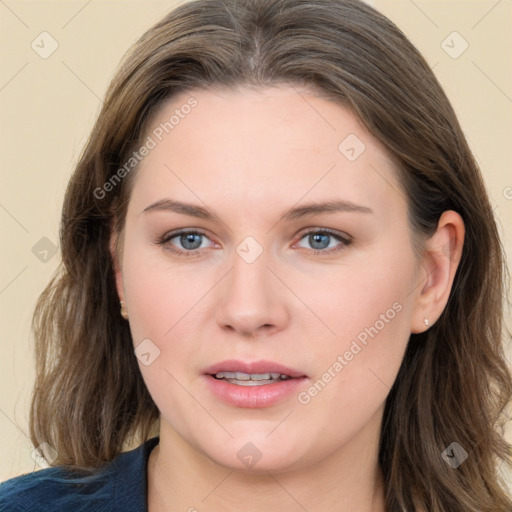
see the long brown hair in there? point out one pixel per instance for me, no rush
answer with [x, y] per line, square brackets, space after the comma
[90, 401]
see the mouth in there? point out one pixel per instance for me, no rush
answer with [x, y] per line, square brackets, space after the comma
[251, 379]
[253, 384]
[256, 373]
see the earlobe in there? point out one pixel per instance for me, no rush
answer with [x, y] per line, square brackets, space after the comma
[442, 254]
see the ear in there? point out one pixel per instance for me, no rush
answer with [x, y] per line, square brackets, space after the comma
[443, 251]
[115, 246]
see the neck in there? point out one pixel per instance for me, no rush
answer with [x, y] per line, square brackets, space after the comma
[180, 478]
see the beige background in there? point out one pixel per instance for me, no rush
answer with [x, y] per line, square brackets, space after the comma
[47, 107]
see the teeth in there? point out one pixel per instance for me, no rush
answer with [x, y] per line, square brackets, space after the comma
[260, 376]
[252, 382]
[252, 377]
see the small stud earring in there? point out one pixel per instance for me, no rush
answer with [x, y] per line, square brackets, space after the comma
[124, 311]
[427, 323]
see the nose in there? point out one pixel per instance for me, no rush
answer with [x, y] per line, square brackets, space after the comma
[253, 300]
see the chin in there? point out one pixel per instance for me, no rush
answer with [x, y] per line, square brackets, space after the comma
[256, 455]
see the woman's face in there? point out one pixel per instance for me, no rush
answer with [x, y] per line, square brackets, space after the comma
[298, 261]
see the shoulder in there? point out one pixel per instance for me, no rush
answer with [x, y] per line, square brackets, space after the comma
[48, 488]
[121, 485]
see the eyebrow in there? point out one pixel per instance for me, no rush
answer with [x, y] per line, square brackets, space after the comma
[305, 210]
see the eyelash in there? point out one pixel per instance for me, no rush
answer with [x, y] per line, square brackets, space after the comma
[165, 239]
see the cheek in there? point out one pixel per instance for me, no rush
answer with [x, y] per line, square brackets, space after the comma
[162, 308]
[370, 312]
[166, 303]
[159, 295]
[369, 298]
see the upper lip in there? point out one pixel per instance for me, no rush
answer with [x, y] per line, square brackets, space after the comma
[255, 367]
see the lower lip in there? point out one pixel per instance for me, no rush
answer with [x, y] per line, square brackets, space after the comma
[253, 396]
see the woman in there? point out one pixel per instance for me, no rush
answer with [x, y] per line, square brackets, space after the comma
[281, 278]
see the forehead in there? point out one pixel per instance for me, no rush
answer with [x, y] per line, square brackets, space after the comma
[262, 146]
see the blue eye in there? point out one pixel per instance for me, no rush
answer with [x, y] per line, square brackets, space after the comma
[190, 241]
[320, 240]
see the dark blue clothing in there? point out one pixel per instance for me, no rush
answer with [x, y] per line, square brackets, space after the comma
[120, 486]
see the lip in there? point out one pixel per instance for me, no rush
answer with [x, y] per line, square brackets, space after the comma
[233, 365]
[264, 395]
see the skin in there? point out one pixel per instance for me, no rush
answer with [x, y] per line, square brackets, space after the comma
[249, 155]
